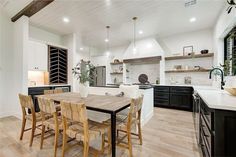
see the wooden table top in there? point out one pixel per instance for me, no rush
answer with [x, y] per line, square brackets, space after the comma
[95, 102]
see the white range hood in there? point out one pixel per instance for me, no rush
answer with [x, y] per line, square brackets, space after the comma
[144, 48]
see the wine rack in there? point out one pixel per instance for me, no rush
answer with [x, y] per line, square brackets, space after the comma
[58, 60]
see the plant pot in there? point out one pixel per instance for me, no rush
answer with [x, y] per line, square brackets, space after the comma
[84, 89]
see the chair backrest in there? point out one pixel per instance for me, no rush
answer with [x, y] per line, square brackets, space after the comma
[46, 105]
[58, 90]
[48, 92]
[55, 91]
[130, 91]
[26, 103]
[75, 112]
[135, 109]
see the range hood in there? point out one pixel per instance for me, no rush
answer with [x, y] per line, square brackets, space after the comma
[146, 48]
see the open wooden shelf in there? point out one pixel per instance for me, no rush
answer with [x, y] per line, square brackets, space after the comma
[116, 63]
[154, 59]
[116, 73]
[190, 57]
[186, 71]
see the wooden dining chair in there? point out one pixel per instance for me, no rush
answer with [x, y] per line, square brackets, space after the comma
[129, 122]
[48, 92]
[47, 107]
[53, 91]
[26, 103]
[82, 129]
[58, 90]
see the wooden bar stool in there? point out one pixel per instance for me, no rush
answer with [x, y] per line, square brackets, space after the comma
[47, 107]
[82, 129]
[27, 103]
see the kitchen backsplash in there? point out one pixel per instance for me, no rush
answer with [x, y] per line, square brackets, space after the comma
[151, 70]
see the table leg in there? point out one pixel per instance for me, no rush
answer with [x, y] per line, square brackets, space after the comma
[113, 134]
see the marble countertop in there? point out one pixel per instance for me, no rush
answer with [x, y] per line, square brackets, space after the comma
[50, 85]
[218, 99]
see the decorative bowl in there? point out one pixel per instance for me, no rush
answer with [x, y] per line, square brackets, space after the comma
[231, 90]
[204, 51]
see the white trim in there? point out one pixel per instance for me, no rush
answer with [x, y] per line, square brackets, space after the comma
[147, 118]
[12, 113]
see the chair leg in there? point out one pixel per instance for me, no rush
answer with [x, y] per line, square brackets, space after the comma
[32, 133]
[129, 143]
[55, 142]
[140, 134]
[86, 149]
[22, 128]
[109, 140]
[103, 143]
[42, 136]
[64, 144]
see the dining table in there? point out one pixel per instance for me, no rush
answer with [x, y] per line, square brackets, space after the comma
[100, 103]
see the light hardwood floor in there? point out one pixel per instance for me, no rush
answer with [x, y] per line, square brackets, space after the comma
[170, 133]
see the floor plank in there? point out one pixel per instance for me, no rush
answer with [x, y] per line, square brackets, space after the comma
[170, 133]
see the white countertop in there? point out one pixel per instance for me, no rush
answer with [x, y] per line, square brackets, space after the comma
[186, 85]
[50, 85]
[218, 99]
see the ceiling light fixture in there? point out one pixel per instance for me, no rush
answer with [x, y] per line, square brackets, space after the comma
[140, 32]
[134, 37]
[193, 19]
[107, 40]
[66, 19]
[81, 49]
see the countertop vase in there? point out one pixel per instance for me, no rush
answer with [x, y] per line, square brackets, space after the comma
[84, 89]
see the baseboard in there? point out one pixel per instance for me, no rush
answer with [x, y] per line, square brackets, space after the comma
[12, 113]
[147, 118]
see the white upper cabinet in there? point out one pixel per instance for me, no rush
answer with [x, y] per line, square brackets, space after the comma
[37, 56]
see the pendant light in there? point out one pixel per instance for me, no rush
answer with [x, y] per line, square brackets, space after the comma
[134, 35]
[107, 40]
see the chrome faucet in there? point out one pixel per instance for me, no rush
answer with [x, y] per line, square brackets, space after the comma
[222, 76]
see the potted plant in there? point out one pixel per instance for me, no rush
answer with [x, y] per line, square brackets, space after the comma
[84, 72]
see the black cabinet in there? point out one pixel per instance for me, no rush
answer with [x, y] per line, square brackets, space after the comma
[217, 132]
[34, 91]
[177, 97]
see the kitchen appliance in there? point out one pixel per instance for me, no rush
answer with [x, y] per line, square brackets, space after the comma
[196, 115]
[100, 77]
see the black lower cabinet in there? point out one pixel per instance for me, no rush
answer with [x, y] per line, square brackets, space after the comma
[217, 132]
[176, 97]
[34, 91]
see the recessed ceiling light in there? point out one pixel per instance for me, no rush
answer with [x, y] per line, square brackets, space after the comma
[140, 32]
[106, 40]
[66, 19]
[81, 49]
[108, 53]
[149, 45]
[193, 19]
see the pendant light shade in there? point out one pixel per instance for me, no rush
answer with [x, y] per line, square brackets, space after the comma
[134, 35]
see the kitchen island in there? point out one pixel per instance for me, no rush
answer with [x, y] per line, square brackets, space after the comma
[147, 108]
[215, 122]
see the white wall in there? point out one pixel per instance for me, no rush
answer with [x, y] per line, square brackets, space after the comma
[200, 40]
[44, 35]
[20, 63]
[223, 25]
[6, 52]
